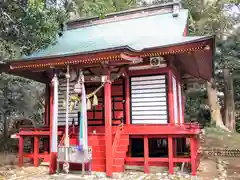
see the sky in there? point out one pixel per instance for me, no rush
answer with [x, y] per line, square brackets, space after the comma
[233, 9]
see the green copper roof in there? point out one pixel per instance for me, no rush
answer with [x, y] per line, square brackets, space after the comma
[136, 34]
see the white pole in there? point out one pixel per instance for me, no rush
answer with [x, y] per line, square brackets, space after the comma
[67, 109]
[66, 140]
[55, 115]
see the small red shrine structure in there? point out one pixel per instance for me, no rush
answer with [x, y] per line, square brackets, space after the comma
[139, 119]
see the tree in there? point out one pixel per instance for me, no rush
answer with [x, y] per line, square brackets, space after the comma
[24, 29]
[25, 26]
[209, 17]
[227, 56]
[89, 8]
[29, 25]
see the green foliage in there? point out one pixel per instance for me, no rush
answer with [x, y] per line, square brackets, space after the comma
[27, 27]
[238, 125]
[196, 108]
[89, 8]
[228, 51]
[21, 96]
[209, 17]
[24, 29]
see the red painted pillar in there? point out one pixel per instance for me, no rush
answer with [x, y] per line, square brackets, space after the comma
[20, 151]
[127, 100]
[193, 155]
[170, 98]
[146, 155]
[36, 151]
[170, 155]
[178, 101]
[108, 124]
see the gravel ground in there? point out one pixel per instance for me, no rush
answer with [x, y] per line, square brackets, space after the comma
[41, 173]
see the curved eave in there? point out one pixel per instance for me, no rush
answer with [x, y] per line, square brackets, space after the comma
[112, 54]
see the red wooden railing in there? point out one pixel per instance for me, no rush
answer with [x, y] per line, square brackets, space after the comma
[116, 139]
[71, 131]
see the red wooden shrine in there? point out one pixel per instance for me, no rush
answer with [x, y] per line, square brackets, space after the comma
[150, 50]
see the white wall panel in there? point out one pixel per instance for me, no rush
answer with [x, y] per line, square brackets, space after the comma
[151, 86]
[156, 121]
[149, 100]
[61, 109]
[148, 95]
[142, 91]
[149, 104]
[151, 108]
[160, 81]
[144, 78]
[144, 112]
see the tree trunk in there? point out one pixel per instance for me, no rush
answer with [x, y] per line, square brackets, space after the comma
[229, 106]
[214, 106]
[5, 125]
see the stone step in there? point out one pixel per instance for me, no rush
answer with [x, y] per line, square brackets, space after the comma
[44, 163]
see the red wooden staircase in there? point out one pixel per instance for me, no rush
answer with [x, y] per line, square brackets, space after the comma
[120, 153]
[97, 142]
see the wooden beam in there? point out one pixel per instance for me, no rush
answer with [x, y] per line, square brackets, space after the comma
[90, 71]
[108, 124]
[149, 71]
[97, 71]
[139, 159]
[161, 130]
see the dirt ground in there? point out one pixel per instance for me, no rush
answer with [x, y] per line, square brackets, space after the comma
[220, 167]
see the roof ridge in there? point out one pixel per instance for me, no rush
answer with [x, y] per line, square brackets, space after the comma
[112, 20]
[123, 15]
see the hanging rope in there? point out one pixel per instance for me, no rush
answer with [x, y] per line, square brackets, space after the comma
[75, 99]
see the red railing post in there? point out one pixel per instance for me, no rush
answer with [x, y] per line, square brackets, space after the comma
[170, 155]
[193, 155]
[116, 139]
[36, 151]
[146, 155]
[20, 151]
